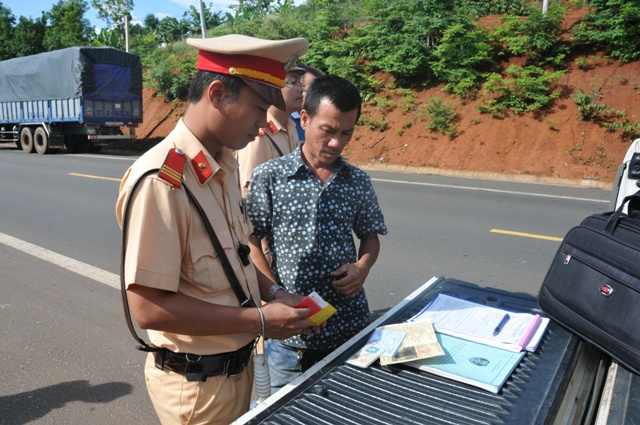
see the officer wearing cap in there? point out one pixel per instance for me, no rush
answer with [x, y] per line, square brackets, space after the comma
[199, 371]
[280, 137]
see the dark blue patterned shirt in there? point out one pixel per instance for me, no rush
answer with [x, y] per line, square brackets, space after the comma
[309, 227]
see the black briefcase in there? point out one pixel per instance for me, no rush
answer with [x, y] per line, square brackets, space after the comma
[593, 285]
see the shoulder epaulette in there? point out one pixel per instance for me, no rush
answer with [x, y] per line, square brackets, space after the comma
[173, 167]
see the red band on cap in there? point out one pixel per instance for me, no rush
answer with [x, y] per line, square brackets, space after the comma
[264, 70]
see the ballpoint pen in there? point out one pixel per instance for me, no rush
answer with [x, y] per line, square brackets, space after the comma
[503, 322]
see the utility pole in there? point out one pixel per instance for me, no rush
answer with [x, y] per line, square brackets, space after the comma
[203, 27]
[126, 32]
[545, 6]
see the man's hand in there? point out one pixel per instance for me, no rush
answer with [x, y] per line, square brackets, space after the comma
[283, 321]
[349, 279]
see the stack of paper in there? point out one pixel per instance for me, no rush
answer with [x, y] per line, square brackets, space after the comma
[458, 339]
[477, 322]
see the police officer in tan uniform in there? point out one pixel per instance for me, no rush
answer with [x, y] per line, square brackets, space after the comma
[175, 284]
[280, 136]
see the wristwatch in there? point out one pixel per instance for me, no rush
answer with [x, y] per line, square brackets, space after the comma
[272, 292]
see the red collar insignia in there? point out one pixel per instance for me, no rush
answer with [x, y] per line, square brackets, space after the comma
[272, 127]
[201, 167]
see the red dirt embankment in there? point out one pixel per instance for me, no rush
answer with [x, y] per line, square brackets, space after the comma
[556, 144]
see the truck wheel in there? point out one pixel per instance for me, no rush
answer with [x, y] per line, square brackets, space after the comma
[41, 141]
[26, 140]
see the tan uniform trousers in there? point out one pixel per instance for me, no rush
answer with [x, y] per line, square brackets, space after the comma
[218, 401]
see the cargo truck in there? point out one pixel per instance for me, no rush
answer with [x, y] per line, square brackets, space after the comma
[71, 98]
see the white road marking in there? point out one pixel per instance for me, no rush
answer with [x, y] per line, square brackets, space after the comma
[83, 269]
[483, 189]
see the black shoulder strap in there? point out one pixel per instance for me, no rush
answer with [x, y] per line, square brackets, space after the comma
[228, 268]
[273, 142]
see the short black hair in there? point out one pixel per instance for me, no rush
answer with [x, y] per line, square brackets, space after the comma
[203, 79]
[339, 91]
[311, 70]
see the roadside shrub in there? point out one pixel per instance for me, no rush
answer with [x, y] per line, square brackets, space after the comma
[170, 70]
[587, 106]
[538, 36]
[614, 26]
[520, 90]
[464, 55]
[441, 117]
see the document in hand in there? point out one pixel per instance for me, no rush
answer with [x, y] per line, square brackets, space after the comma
[484, 324]
[472, 363]
[320, 309]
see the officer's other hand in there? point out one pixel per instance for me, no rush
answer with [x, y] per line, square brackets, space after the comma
[283, 321]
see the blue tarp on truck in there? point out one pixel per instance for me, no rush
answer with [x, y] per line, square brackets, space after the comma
[69, 97]
[98, 73]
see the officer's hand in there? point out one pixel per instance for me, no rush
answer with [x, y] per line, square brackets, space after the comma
[283, 321]
[293, 300]
[349, 279]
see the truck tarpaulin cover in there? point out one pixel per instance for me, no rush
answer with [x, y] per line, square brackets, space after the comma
[98, 73]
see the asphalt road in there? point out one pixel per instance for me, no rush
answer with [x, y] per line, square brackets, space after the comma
[68, 357]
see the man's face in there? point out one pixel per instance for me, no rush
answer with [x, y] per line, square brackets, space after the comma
[243, 118]
[292, 92]
[327, 133]
[306, 79]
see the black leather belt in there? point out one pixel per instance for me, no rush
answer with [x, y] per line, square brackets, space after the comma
[198, 368]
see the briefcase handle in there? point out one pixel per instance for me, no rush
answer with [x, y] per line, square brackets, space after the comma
[612, 224]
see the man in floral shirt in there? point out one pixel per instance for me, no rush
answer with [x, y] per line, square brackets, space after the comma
[308, 205]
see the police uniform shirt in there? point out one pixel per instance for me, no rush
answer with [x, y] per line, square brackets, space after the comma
[168, 246]
[261, 149]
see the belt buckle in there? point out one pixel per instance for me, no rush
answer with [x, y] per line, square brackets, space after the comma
[193, 370]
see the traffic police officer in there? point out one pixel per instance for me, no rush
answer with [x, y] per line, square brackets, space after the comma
[175, 283]
[280, 137]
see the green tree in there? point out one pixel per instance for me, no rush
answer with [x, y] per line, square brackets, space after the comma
[171, 30]
[110, 37]
[7, 20]
[481, 8]
[142, 41]
[539, 36]
[614, 26]
[67, 25]
[151, 22]
[463, 58]
[28, 36]
[113, 11]
[211, 20]
[246, 10]
[399, 36]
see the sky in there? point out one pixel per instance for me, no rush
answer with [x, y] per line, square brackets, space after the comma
[160, 8]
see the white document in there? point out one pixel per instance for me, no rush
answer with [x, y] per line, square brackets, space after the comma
[488, 325]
